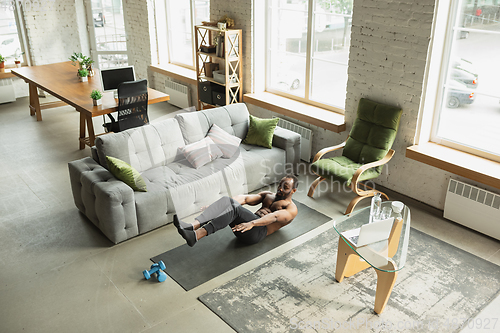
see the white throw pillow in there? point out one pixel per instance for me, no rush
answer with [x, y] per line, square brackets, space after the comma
[201, 152]
[226, 142]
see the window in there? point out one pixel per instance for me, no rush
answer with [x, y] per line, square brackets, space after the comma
[308, 50]
[467, 106]
[108, 37]
[182, 16]
[11, 37]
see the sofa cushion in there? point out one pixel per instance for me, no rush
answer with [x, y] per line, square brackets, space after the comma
[227, 143]
[231, 118]
[143, 147]
[126, 173]
[342, 169]
[373, 132]
[260, 132]
[263, 166]
[181, 172]
[201, 152]
[190, 189]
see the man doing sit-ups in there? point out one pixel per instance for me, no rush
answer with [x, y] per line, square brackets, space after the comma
[277, 211]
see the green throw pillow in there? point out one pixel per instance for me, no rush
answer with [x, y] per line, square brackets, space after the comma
[126, 173]
[261, 131]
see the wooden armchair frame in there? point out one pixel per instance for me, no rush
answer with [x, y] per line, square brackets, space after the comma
[361, 194]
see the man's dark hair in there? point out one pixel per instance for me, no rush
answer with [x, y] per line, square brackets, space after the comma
[295, 180]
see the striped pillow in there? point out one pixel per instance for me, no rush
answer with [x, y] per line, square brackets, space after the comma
[201, 152]
[226, 142]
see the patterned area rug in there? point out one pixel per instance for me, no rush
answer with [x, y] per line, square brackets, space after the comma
[440, 288]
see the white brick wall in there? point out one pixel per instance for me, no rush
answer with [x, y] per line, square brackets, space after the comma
[82, 27]
[135, 15]
[53, 31]
[241, 11]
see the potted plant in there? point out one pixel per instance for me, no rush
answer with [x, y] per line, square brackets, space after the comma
[96, 96]
[2, 61]
[225, 22]
[83, 73]
[82, 62]
[16, 58]
[87, 63]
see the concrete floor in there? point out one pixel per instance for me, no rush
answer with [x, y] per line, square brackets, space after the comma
[60, 274]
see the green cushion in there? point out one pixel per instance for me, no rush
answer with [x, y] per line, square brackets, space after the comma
[373, 132]
[342, 169]
[126, 173]
[261, 131]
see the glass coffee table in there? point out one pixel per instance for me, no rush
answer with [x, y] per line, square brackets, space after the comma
[387, 256]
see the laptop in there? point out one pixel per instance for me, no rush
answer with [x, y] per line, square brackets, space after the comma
[370, 233]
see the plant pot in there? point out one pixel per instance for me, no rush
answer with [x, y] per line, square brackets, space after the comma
[221, 26]
[2, 64]
[83, 79]
[90, 70]
[97, 102]
[18, 63]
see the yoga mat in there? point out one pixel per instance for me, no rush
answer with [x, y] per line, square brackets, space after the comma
[440, 289]
[221, 251]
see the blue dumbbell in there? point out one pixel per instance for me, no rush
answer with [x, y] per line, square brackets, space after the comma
[156, 269]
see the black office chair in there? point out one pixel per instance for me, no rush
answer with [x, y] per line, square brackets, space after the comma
[132, 106]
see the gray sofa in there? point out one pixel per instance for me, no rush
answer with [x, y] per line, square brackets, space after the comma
[173, 185]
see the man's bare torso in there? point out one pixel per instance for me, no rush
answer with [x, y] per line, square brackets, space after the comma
[270, 204]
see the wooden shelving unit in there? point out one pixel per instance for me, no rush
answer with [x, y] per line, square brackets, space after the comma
[230, 62]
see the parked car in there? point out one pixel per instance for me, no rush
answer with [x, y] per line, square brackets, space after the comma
[463, 72]
[99, 20]
[459, 94]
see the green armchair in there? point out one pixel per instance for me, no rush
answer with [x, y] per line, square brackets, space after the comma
[366, 150]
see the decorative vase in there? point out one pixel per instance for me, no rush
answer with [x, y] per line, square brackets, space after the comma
[83, 78]
[90, 70]
[221, 25]
[97, 102]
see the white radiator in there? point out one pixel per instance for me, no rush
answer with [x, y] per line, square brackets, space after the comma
[473, 207]
[7, 93]
[305, 137]
[179, 94]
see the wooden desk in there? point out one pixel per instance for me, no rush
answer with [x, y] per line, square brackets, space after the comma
[61, 81]
[5, 73]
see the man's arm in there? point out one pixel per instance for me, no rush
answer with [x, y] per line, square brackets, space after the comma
[251, 199]
[280, 217]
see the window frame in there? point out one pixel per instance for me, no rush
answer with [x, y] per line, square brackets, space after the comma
[21, 34]
[169, 36]
[433, 108]
[308, 58]
[94, 51]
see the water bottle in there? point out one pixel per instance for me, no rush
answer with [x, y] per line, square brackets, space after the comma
[376, 207]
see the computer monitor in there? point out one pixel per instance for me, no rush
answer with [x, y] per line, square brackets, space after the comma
[112, 77]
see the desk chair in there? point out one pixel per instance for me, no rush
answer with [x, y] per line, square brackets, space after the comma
[132, 106]
[366, 150]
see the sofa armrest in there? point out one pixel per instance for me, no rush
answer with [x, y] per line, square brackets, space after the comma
[106, 201]
[94, 154]
[290, 142]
